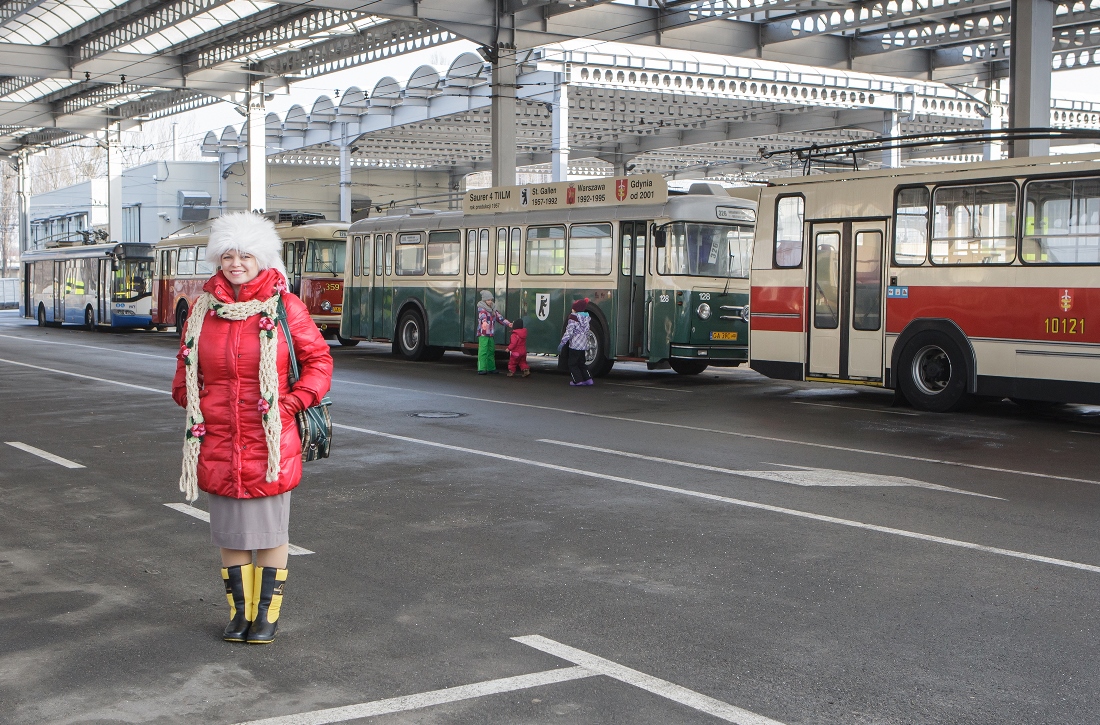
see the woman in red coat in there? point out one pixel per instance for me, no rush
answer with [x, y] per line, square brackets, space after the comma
[242, 445]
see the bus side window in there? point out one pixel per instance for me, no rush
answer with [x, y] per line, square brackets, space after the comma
[514, 260]
[389, 254]
[201, 265]
[483, 252]
[187, 260]
[911, 227]
[379, 240]
[356, 256]
[790, 212]
[471, 251]
[502, 250]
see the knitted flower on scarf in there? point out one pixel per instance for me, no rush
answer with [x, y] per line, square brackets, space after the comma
[268, 405]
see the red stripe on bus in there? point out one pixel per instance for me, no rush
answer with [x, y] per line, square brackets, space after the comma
[767, 301]
[1015, 313]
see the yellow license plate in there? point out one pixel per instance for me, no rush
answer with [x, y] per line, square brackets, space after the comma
[337, 309]
[723, 336]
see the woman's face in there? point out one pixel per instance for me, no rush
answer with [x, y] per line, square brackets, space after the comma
[239, 268]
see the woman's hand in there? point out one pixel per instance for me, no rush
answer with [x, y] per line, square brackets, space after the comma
[289, 405]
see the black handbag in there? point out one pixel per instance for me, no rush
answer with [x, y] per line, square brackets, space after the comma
[314, 423]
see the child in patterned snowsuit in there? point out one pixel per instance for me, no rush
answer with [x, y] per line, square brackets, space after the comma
[575, 344]
[487, 317]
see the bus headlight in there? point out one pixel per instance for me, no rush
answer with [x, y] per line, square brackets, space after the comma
[326, 306]
[703, 310]
[745, 312]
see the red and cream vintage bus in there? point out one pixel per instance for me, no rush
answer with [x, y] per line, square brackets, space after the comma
[313, 252]
[944, 282]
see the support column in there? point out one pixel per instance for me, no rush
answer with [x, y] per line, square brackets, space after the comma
[256, 168]
[1032, 47]
[114, 184]
[559, 131]
[23, 198]
[994, 150]
[345, 175]
[891, 128]
[503, 116]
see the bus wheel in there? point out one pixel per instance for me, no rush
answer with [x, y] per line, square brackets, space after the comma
[181, 318]
[345, 341]
[433, 353]
[595, 357]
[41, 315]
[410, 336]
[89, 319]
[687, 367]
[933, 373]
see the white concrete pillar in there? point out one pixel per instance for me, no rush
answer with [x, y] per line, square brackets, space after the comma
[993, 150]
[891, 128]
[256, 168]
[559, 131]
[114, 184]
[345, 175]
[503, 117]
[1032, 48]
[23, 199]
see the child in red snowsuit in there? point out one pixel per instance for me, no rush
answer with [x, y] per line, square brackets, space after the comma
[517, 350]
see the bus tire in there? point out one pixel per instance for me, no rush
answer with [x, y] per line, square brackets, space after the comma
[41, 315]
[687, 367]
[596, 359]
[345, 342]
[434, 353]
[181, 318]
[89, 319]
[409, 336]
[933, 373]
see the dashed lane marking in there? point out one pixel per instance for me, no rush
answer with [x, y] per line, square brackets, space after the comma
[1087, 432]
[201, 515]
[649, 683]
[87, 377]
[853, 407]
[90, 347]
[736, 434]
[802, 476]
[44, 454]
[741, 502]
[428, 699]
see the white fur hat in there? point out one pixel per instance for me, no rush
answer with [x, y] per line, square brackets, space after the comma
[248, 234]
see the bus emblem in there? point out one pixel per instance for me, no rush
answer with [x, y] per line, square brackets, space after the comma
[620, 189]
[542, 305]
[1066, 301]
[571, 194]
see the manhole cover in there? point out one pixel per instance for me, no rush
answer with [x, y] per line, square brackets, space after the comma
[437, 414]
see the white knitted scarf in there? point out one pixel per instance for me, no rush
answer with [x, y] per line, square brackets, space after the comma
[268, 405]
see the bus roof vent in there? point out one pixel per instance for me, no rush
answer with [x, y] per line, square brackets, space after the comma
[709, 189]
[294, 217]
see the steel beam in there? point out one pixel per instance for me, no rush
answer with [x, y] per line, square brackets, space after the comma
[863, 16]
[1032, 45]
[995, 23]
[14, 8]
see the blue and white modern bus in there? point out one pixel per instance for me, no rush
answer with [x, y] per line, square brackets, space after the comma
[109, 285]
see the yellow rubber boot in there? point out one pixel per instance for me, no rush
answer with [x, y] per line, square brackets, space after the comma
[268, 584]
[239, 589]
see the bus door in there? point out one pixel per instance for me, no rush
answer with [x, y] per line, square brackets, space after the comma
[294, 254]
[845, 339]
[480, 275]
[630, 295]
[103, 291]
[60, 279]
[381, 294]
[500, 285]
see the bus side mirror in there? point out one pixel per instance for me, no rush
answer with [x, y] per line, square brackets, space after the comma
[659, 237]
[114, 265]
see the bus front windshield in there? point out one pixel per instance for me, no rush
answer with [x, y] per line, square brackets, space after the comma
[325, 257]
[133, 280]
[705, 250]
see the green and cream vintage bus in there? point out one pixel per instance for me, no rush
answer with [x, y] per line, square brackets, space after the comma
[666, 276]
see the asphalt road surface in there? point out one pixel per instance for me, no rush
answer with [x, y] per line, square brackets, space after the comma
[655, 549]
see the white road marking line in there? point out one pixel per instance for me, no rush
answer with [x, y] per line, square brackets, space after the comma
[853, 407]
[649, 683]
[717, 431]
[201, 515]
[428, 699]
[44, 454]
[1087, 432]
[92, 347]
[645, 387]
[86, 377]
[740, 502]
[804, 476]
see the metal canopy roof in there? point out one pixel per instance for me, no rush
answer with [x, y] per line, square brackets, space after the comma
[74, 66]
[662, 112]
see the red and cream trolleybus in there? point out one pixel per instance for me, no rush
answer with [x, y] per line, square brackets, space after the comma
[313, 252]
[945, 282]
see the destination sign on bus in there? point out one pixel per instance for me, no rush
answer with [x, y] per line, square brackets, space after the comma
[583, 193]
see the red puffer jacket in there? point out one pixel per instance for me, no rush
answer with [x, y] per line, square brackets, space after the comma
[233, 456]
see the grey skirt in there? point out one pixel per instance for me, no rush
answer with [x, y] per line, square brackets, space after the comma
[250, 523]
